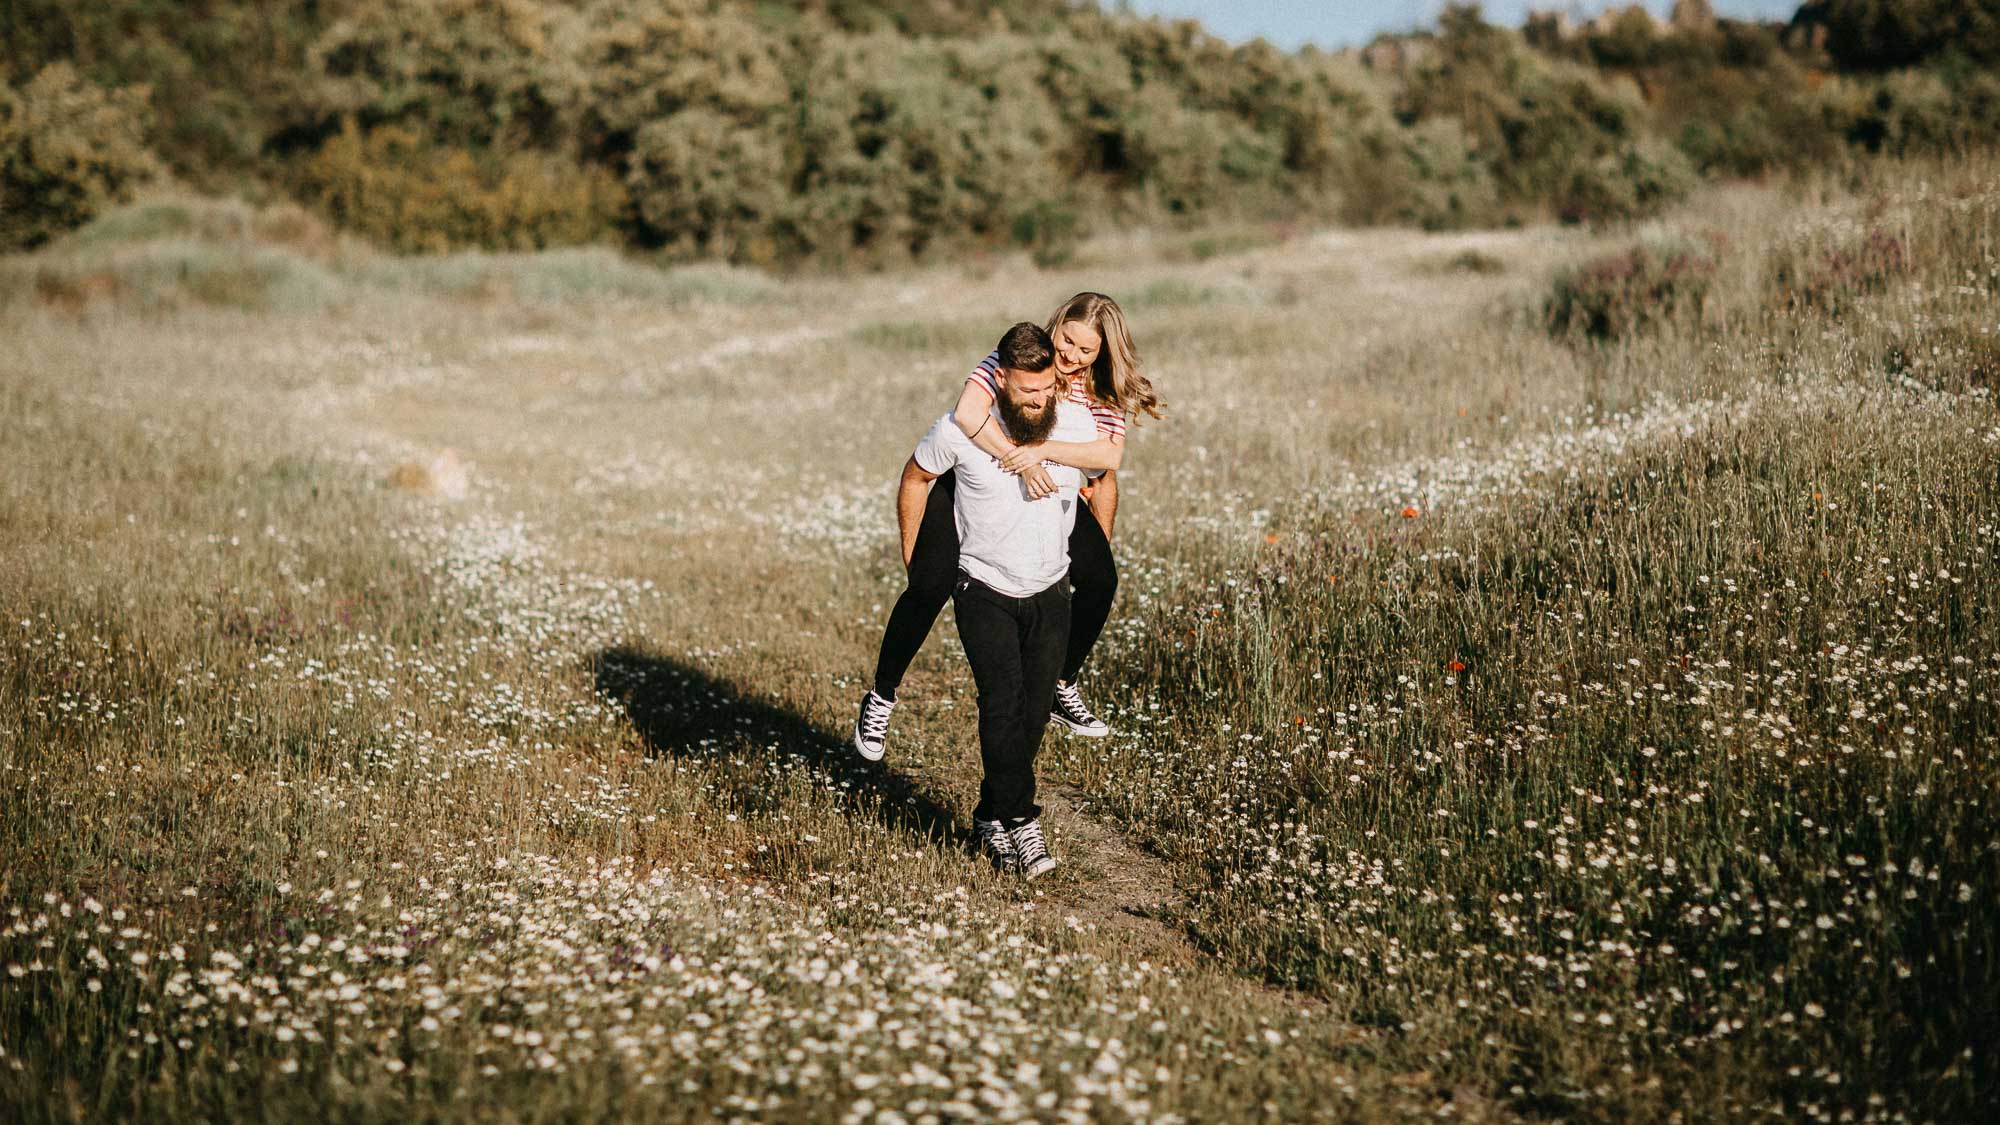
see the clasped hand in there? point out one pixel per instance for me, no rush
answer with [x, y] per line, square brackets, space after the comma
[1026, 461]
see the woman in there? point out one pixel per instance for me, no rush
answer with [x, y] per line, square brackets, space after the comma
[1095, 357]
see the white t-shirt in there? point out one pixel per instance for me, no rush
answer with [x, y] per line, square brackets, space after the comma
[1018, 546]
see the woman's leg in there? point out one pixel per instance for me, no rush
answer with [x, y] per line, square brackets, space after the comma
[1093, 576]
[933, 572]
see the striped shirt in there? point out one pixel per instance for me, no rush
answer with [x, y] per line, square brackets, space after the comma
[1110, 423]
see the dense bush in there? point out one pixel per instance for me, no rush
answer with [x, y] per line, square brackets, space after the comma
[1427, 175]
[1916, 112]
[904, 142]
[67, 149]
[471, 74]
[222, 73]
[1623, 293]
[1873, 35]
[1628, 183]
[870, 131]
[405, 191]
[1554, 134]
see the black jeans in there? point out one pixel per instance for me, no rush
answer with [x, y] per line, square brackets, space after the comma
[1093, 579]
[1015, 646]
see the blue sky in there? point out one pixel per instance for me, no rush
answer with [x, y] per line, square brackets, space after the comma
[1340, 23]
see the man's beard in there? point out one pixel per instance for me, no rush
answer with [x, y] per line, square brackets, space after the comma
[1023, 428]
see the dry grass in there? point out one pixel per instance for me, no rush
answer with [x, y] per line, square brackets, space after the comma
[1622, 776]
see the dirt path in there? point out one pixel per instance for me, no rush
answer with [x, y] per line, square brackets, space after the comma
[1125, 890]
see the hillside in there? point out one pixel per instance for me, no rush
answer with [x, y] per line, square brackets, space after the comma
[872, 132]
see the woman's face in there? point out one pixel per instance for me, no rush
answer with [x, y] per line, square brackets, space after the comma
[1076, 347]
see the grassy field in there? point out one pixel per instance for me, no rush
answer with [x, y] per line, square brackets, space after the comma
[1508, 724]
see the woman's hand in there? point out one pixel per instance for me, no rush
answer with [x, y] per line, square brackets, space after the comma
[1022, 457]
[1037, 481]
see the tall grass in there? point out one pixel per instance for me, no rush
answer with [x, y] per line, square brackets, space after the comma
[1645, 765]
[1528, 725]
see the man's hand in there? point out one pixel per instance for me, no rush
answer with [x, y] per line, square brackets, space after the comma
[1037, 481]
[1021, 458]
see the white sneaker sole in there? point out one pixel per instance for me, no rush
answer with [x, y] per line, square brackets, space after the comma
[861, 748]
[1098, 731]
[1047, 864]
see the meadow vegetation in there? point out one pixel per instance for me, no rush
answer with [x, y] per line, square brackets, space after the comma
[1511, 719]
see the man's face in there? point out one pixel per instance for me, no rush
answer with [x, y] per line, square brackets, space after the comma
[1031, 393]
[1028, 403]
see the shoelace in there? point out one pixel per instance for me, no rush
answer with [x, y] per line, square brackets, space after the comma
[1028, 841]
[994, 835]
[1072, 701]
[875, 718]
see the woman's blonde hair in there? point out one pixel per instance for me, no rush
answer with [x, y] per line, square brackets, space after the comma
[1115, 380]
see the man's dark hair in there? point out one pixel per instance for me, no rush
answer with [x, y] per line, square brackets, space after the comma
[1026, 347]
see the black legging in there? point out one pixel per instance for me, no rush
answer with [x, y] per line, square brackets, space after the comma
[1093, 579]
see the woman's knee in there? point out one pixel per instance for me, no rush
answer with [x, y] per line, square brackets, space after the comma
[931, 580]
[1092, 570]
[1095, 578]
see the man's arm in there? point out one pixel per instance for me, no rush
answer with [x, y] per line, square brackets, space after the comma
[912, 493]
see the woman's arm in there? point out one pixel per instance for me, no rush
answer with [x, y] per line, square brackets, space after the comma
[974, 415]
[913, 491]
[1105, 453]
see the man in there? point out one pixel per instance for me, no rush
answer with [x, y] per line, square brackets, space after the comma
[1012, 595]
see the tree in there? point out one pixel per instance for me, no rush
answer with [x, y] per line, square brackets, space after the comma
[68, 149]
[1884, 34]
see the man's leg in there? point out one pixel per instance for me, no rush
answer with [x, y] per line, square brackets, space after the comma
[1044, 639]
[990, 627]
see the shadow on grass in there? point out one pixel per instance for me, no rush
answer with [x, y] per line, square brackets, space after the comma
[682, 711]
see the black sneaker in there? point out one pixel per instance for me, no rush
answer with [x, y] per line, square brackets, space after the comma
[871, 726]
[996, 844]
[1031, 851]
[1070, 712]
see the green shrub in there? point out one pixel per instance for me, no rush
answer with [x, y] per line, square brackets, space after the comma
[1553, 134]
[68, 149]
[473, 75]
[1050, 231]
[1427, 175]
[1627, 292]
[1633, 183]
[1871, 35]
[395, 186]
[902, 143]
[1920, 112]
[647, 60]
[702, 184]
